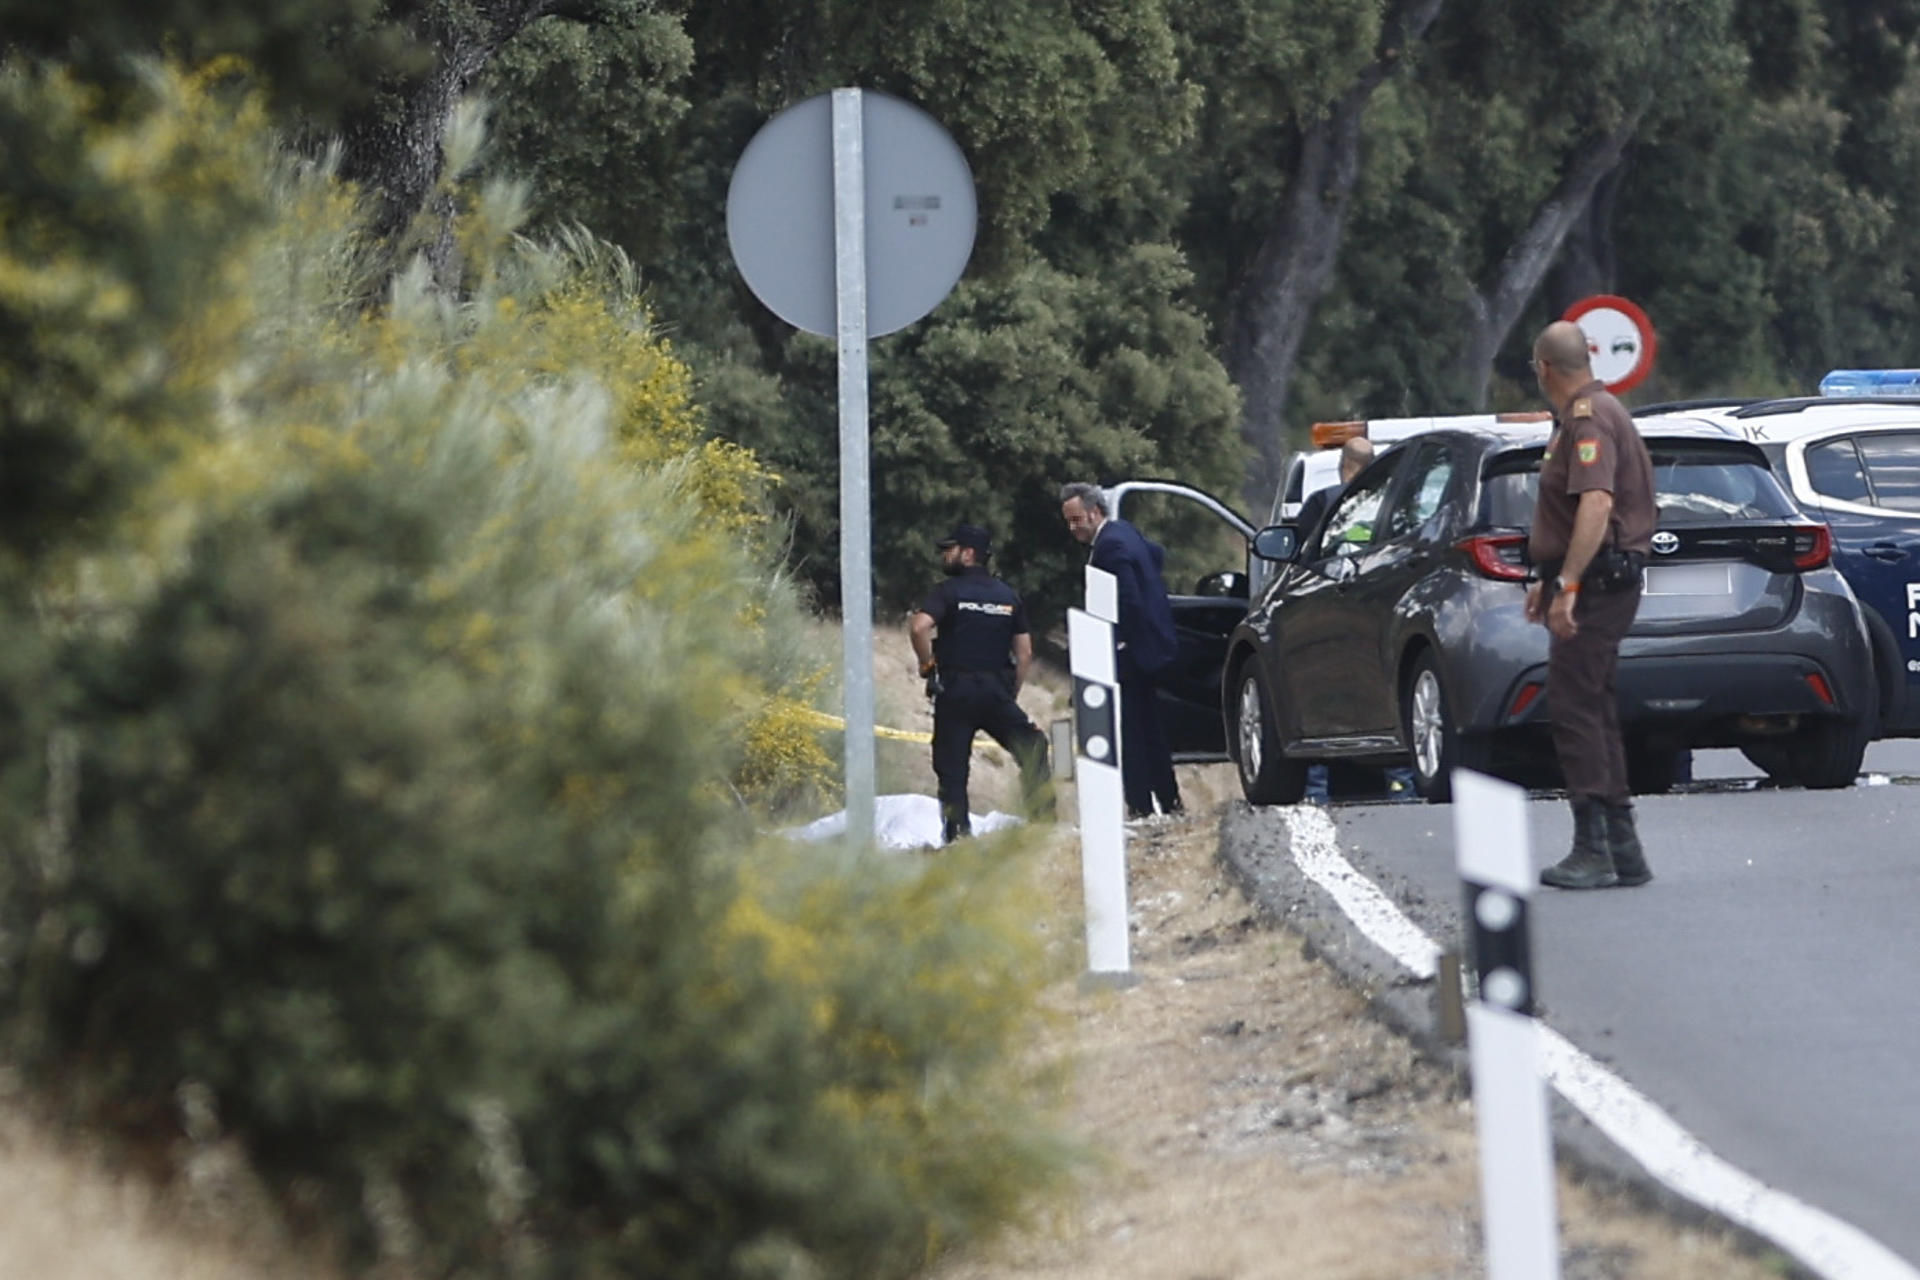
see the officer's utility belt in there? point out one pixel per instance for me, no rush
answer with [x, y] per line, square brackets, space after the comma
[1610, 570]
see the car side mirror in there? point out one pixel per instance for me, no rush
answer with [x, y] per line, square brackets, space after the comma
[1279, 542]
[1225, 583]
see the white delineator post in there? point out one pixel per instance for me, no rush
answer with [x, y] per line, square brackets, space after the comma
[1509, 1092]
[1103, 831]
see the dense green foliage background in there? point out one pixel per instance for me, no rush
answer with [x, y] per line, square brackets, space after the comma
[1204, 222]
[1133, 161]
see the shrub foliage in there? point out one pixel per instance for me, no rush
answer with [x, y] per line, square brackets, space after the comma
[376, 753]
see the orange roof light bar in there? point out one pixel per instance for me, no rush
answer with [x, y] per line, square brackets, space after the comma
[1330, 435]
[1526, 415]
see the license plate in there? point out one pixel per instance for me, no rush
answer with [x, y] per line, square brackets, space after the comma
[1689, 580]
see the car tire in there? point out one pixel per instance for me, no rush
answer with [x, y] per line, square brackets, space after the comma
[1435, 745]
[1266, 775]
[1821, 756]
[1827, 755]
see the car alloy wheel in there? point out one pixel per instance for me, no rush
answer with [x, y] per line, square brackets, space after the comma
[1252, 721]
[1427, 716]
[1434, 741]
[1267, 776]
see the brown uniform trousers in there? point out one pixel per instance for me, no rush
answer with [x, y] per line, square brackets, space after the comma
[1583, 703]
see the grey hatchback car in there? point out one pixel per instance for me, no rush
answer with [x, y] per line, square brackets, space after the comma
[1395, 632]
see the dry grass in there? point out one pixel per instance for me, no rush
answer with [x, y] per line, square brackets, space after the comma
[68, 1213]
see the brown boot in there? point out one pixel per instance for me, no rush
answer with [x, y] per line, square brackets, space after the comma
[1623, 843]
[1588, 865]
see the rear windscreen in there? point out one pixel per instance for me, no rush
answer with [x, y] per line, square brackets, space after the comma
[1693, 483]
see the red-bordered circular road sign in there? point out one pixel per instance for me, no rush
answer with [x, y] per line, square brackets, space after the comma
[1620, 339]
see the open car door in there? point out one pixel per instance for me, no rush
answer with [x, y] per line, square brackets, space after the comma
[1209, 599]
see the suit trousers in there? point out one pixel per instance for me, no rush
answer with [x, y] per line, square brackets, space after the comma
[1582, 698]
[1146, 762]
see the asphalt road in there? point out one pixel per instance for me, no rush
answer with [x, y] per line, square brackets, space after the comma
[1761, 989]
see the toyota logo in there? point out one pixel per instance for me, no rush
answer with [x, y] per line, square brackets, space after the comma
[1665, 543]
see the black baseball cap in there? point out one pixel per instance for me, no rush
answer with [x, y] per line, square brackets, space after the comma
[967, 535]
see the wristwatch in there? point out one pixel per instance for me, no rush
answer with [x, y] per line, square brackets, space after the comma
[1567, 588]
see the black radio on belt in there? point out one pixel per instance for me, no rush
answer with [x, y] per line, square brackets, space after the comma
[1610, 570]
[1613, 570]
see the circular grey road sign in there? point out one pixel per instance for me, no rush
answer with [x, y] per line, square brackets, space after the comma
[920, 214]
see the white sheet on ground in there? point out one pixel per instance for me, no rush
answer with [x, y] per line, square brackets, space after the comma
[901, 822]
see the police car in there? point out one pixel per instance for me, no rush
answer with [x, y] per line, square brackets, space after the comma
[1851, 457]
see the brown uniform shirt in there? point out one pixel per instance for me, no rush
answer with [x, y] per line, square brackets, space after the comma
[1595, 446]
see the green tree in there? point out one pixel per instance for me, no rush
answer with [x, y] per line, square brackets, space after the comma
[1791, 259]
[1282, 149]
[1565, 93]
[317, 56]
[1017, 383]
[1496, 170]
[1019, 386]
[109, 322]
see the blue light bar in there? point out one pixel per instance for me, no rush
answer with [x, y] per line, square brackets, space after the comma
[1871, 382]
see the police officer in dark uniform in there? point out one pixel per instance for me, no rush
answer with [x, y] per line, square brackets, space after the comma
[1592, 528]
[974, 667]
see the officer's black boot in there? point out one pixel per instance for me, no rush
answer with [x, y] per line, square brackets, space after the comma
[1623, 842]
[1588, 865]
[955, 823]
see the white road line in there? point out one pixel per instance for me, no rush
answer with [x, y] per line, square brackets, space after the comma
[1834, 1249]
[1317, 853]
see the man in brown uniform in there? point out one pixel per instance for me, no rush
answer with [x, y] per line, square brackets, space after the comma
[1592, 527]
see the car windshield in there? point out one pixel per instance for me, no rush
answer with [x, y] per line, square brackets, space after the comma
[1694, 483]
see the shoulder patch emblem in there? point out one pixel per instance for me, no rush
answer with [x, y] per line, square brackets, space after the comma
[1588, 452]
[1582, 408]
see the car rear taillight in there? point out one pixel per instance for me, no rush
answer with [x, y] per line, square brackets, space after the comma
[1812, 546]
[1498, 555]
[1528, 695]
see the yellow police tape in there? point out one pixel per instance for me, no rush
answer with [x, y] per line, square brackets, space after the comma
[826, 721]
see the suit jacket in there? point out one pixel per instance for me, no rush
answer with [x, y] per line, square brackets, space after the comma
[1147, 639]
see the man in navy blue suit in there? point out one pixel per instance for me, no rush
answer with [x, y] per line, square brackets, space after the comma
[1147, 644]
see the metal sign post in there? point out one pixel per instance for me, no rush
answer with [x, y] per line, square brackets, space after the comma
[1509, 1092]
[852, 215]
[856, 539]
[1103, 832]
